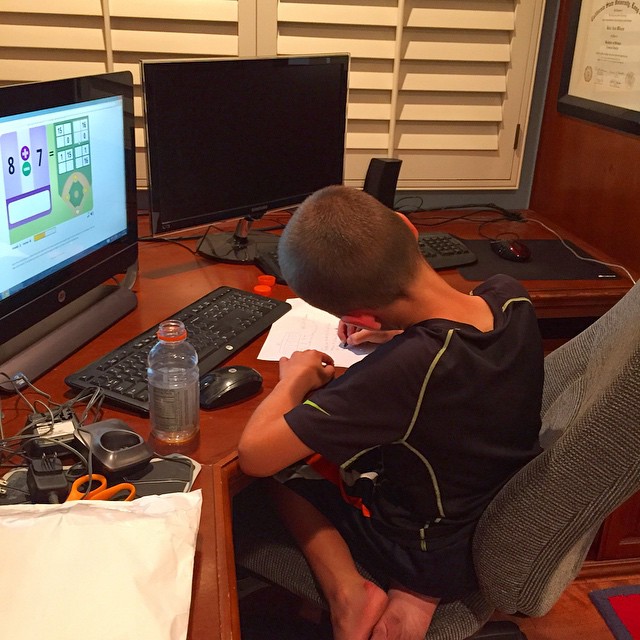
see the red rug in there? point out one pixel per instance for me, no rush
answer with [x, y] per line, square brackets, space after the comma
[620, 608]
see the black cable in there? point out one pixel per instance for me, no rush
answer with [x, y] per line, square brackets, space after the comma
[89, 460]
[484, 235]
[170, 240]
[93, 397]
[10, 453]
[178, 239]
[445, 219]
[510, 214]
[398, 206]
[8, 487]
[11, 446]
[185, 461]
[64, 445]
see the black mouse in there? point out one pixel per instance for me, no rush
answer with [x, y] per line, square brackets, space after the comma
[225, 385]
[514, 250]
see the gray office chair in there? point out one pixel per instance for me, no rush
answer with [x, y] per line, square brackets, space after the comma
[531, 541]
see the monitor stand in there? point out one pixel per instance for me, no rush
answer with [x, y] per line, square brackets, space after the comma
[242, 245]
[42, 346]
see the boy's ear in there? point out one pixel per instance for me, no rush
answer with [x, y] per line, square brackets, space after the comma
[409, 224]
[363, 320]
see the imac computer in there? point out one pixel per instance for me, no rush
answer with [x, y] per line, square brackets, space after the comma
[67, 218]
[233, 138]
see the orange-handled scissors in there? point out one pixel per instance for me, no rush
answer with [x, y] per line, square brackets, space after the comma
[101, 492]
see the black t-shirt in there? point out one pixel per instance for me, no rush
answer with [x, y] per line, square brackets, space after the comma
[428, 427]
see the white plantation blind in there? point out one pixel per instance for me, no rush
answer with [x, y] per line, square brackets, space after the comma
[48, 40]
[444, 85]
[156, 29]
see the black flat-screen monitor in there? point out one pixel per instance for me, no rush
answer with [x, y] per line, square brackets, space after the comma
[237, 137]
[68, 219]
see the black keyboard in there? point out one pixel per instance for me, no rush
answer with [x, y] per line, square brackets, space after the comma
[218, 325]
[441, 250]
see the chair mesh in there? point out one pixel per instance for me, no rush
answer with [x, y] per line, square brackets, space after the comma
[531, 541]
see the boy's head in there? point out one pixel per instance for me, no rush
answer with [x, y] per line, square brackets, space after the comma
[343, 251]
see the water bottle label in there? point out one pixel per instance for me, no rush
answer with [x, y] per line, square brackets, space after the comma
[174, 409]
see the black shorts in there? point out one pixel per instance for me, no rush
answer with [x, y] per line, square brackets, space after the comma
[445, 570]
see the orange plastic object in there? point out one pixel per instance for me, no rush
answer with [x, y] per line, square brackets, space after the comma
[267, 280]
[262, 289]
[102, 492]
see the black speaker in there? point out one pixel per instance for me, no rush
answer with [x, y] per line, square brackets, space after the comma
[382, 178]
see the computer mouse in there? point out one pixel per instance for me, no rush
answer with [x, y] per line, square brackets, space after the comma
[225, 385]
[514, 250]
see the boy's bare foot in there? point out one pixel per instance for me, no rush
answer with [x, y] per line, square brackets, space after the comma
[407, 616]
[355, 612]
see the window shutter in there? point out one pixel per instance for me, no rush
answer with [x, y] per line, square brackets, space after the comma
[445, 85]
[49, 40]
[442, 84]
[147, 29]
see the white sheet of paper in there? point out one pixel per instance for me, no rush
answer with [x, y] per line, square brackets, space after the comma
[306, 327]
[98, 569]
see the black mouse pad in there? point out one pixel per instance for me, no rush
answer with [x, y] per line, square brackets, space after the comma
[550, 260]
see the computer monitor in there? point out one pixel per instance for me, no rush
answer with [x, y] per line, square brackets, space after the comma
[68, 219]
[232, 138]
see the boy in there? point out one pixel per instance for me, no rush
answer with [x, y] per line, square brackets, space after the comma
[410, 444]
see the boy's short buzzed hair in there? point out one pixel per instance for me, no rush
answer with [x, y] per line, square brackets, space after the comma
[344, 251]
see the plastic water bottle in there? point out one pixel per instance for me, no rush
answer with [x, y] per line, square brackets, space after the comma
[174, 389]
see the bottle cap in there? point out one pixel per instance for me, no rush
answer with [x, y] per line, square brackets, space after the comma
[262, 289]
[267, 280]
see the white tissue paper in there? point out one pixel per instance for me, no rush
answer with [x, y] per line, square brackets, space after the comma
[98, 569]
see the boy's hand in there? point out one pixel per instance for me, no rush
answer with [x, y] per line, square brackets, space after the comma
[311, 369]
[267, 443]
[353, 335]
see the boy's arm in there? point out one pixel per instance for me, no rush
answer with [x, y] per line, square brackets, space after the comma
[267, 443]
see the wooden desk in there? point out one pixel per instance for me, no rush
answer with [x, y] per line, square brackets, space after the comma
[553, 299]
[172, 277]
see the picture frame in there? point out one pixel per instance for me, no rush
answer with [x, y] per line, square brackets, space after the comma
[616, 83]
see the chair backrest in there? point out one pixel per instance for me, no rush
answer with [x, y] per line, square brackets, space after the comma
[534, 536]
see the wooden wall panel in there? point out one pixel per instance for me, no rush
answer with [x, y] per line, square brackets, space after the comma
[587, 177]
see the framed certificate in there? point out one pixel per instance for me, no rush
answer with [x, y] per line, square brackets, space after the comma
[601, 70]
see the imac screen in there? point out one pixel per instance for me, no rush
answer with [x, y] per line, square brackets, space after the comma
[67, 193]
[235, 137]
